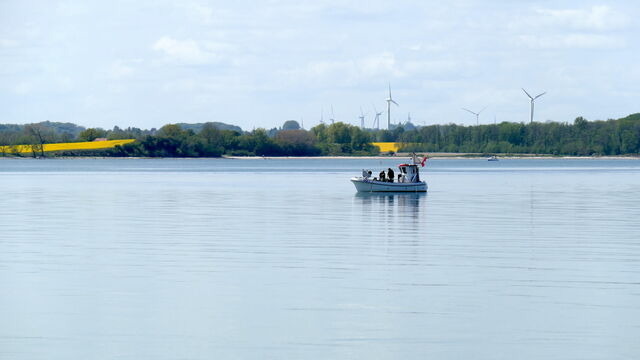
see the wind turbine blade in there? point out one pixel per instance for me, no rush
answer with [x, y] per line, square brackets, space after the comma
[393, 101]
[389, 90]
[525, 91]
[539, 95]
[483, 109]
[469, 111]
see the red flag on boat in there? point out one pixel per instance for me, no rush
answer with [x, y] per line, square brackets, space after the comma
[424, 160]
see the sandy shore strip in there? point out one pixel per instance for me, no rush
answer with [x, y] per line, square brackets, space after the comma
[447, 156]
[444, 156]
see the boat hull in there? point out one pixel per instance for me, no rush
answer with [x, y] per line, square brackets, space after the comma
[368, 185]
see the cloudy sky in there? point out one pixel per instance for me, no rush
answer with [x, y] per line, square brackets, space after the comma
[259, 63]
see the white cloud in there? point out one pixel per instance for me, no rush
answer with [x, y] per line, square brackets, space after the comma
[435, 67]
[577, 41]
[120, 69]
[189, 51]
[69, 8]
[7, 43]
[202, 12]
[379, 66]
[91, 101]
[180, 85]
[22, 88]
[383, 64]
[64, 83]
[595, 18]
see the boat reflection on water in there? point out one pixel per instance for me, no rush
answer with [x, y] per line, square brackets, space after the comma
[400, 203]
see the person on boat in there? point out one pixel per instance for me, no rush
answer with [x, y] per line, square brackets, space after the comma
[381, 176]
[390, 175]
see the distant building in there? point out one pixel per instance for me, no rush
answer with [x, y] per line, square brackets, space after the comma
[100, 139]
[291, 125]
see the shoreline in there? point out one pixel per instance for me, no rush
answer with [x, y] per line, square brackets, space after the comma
[432, 156]
[443, 157]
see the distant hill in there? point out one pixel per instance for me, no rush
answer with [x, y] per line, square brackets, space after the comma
[57, 127]
[11, 127]
[632, 117]
[218, 125]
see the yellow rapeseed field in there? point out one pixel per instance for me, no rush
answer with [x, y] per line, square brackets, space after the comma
[87, 145]
[387, 146]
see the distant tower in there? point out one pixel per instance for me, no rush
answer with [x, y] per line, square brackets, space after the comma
[376, 121]
[332, 118]
[389, 100]
[477, 114]
[532, 100]
[361, 118]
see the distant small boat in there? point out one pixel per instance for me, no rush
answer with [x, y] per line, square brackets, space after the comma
[493, 158]
[408, 180]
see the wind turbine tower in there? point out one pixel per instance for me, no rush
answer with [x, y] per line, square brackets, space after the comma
[376, 121]
[389, 100]
[532, 100]
[361, 118]
[332, 118]
[477, 114]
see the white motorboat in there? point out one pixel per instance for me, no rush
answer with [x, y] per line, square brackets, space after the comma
[493, 158]
[408, 180]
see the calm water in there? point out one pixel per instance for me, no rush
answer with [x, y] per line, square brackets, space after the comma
[281, 259]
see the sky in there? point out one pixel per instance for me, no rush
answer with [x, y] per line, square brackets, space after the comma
[256, 64]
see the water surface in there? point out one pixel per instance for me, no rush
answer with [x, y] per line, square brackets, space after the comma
[274, 259]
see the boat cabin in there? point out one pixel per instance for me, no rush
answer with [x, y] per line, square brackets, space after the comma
[408, 173]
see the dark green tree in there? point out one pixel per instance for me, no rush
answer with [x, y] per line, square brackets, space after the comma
[92, 134]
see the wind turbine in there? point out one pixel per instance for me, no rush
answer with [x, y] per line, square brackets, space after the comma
[332, 118]
[532, 100]
[376, 121]
[361, 118]
[477, 114]
[389, 100]
[321, 115]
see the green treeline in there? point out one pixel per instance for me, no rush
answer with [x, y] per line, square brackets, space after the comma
[197, 140]
[174, 141]
[611, 137]
[582, 137]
